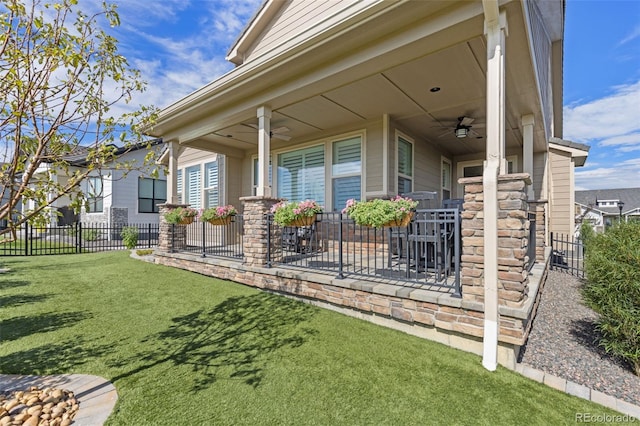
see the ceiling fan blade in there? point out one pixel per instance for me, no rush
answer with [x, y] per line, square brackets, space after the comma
[281, 137]
[282, 129]
[466, 121]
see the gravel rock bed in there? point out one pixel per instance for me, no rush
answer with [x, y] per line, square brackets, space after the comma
[563, 342]
[38, 407]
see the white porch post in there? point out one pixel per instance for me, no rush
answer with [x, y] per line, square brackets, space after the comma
[527, 149]
[172, 181]
[495, 30]
[264, 150]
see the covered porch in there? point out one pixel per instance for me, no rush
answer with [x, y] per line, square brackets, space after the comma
[452, 97]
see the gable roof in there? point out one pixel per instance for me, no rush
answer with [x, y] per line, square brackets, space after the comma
[629, 196]
[78, 157]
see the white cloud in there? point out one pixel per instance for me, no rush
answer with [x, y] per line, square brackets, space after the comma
[608, 117]
[623, 174]
[635, 33]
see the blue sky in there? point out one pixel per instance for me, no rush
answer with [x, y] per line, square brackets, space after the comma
[180, 45]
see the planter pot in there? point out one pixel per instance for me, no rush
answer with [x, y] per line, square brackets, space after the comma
[303, 221]
[404, 221]
[221, 220]
[399, 222]
[186, 221]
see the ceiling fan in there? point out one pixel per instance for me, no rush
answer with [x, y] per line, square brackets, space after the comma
[463, 128]
[276, 133]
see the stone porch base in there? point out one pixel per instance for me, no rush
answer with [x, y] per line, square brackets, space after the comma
[428, 314]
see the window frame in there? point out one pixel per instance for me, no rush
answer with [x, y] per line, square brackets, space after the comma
[460, 166]
[333, 177]
[154, 201]
[411, 178]
[92, 202]
[446, 186]
[216, 187]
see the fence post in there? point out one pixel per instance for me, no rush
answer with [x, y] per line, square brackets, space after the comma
[26, 238]
[149, 237]
[204, 237]
[340, 260]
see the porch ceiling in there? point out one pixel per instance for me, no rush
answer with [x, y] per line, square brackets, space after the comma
[403, 91]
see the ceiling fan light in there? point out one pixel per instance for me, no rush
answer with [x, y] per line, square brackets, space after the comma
[461, 132]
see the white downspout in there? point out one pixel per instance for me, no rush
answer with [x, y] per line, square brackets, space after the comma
[264, 151]
[495, 29]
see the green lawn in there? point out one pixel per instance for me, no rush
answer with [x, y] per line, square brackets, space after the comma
[184, 349]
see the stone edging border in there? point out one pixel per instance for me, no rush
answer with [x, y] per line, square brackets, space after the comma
[579, 390]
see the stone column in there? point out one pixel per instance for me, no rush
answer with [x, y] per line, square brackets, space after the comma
[256, 228]
[171, 238]
[513, 235]
[539, 207]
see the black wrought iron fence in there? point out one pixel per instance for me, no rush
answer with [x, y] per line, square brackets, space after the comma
[207, 239]
[426, 252]
[76, 238]
[567, 254]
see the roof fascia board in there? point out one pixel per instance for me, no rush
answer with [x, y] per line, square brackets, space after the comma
[253, 30]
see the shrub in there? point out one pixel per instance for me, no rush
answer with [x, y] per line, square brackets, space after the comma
[91, 235]
[586, 232]
[129, 236]
[613, 289]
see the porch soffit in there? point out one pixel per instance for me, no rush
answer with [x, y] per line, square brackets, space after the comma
[326, 87]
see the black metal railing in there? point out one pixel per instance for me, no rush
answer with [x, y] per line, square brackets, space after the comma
[207, 239]
[567, 254]
[425, 252]
[76, 238]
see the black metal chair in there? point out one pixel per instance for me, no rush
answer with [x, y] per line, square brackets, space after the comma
[398, 236]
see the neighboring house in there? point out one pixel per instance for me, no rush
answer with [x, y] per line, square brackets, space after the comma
[370, 99]
[603, 207]
[114, 196]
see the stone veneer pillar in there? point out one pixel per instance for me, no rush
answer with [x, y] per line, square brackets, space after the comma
[166, 240]
[513, 235]
[256, 228]
[538, 207]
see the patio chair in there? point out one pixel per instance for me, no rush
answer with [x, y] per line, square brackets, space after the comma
[398, 236]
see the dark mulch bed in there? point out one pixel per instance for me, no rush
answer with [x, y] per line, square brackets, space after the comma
[563, 342]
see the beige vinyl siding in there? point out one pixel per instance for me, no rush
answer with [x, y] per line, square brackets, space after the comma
[373, 160]
[561, 207]
[233, 181]
[539, 168]
[299, 19]
[426, 167]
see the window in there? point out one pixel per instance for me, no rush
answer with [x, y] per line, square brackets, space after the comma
[405, 166]
[301, 174]
[211, 185]
[445, 168]
[193, 186]
[94, 194]
[179, 185]
[151, 192]
[346, 171]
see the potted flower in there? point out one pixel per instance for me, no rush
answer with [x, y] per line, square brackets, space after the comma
[379, 213]
[220, 215]
[181, 215]
[302, 213]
